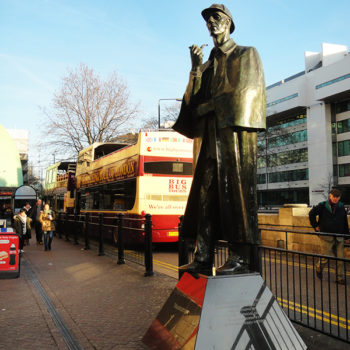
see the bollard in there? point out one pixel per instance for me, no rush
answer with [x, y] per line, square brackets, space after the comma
[183, 247]
[75, 229]
[101, 251]
[66, 226]
[87, 242]
[120, 241]
[60, 225]
[148, 246]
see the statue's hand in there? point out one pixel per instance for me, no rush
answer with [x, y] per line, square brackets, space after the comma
[196, 57]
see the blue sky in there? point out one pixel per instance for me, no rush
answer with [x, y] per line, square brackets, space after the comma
[146, 42]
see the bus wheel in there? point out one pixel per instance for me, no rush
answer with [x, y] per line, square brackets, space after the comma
[115, 236]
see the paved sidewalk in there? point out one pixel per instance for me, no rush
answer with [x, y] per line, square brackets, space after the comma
[102, 305]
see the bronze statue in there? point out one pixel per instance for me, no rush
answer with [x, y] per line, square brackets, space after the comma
[222, 110]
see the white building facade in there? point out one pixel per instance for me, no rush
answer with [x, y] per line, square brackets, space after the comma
[306, 149]
[20, 138]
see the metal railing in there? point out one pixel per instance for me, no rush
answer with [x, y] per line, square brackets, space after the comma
[318, 303]
[93, 227]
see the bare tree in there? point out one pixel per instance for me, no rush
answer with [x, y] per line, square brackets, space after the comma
[326, 185]
[167, 114]
[149, 123]
[87, 109]
[171, 112]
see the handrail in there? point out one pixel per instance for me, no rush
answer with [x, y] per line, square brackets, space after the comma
[315, 233]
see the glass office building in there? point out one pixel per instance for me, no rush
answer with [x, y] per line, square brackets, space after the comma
[306, 148]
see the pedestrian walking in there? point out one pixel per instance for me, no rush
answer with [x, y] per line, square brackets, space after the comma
[28, 210]
[332, 218]
[46, 219]
[35, 215]
[27, 207]
[21, 225]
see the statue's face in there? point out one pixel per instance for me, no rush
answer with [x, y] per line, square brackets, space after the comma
[218, 23]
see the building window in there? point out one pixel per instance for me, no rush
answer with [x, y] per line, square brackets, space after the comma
[344, 170]
[286, 123]
[287, 139]
[289, 157]
[282, 100]
[261, 162]
[280, 197]
[344, 148]
[343, 126]
[261, 179]
[330, 82]
[289, 175]
[342, 107]
[261, 144]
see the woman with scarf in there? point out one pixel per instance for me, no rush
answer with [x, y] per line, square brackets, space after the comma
[46, 218]
[21, 225]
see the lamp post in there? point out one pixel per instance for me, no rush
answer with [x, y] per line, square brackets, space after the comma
[165, 99]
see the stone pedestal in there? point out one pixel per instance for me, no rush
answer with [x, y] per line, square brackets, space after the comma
[222, 312]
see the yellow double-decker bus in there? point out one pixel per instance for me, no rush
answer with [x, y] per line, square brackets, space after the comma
[152, 176]
[56, 187]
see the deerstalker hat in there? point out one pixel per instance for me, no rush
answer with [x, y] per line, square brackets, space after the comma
[218, 7]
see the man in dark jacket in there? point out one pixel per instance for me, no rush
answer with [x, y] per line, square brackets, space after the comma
[35, 215]
[222, 110]
[332, 218]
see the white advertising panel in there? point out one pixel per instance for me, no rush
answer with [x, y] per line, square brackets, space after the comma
[164, 194]
[165, 144]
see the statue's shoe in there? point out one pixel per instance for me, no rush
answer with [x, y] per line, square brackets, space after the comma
[232, 267]
[197, 267]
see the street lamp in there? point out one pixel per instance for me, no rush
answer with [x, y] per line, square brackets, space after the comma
[165, 99]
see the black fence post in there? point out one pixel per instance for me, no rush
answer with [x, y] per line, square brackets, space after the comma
[183, 247]
[255, 255]
[60, 225]
[66, 226]
[101, 251]
[148, 246]
[120, 241]
[76, 225]
[87, 242]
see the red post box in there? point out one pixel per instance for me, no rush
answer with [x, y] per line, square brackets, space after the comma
[9, 254]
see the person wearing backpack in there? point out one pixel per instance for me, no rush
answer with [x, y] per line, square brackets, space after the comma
[332, 218]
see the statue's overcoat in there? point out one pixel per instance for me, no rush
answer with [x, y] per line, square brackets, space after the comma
[222, 110]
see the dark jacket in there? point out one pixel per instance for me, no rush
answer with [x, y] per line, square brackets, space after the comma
[328, 221]
[33, 213]
[18, 227]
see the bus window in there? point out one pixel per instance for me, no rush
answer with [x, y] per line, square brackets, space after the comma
[96, 200]
[168, 168]
[116, 196]
[88, 200]
[120, 195]
[82, 200]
